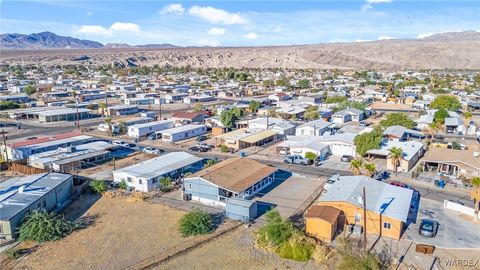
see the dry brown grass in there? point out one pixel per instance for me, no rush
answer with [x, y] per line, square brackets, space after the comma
[122, 234]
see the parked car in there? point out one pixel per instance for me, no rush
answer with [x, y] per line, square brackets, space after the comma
[120, 143]
[438, 137]
[31, 138]
[346, 158]
[201, 138]
[428, 228]
[151, 150]
[198, 149]
[296, 159]
[398, 184]
[284, 152]
[204, 145]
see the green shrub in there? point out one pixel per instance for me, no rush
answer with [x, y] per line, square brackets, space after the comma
[195, 222]
[224, 149]
[165, 184]
[276, 231]
[123, 185]
[13, 253]
[98, 186]
[298, 248]
[41, 226]
[209, 163]
[310, 156]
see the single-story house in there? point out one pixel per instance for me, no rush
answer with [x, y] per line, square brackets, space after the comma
[387, 208]
[283, 127]
[452, 162]
[424, 121]
[402, 133]
[19, 196]
[228, 179]
[246, 137]
[314, 128]
[454, 125]
[188, 117]
[145, 176]
[347, 115]
[412, 152]
[300, 145]
[183, 132]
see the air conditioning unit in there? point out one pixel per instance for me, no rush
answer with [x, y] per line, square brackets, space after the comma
[357, 229]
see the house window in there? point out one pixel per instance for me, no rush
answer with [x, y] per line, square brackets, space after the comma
[189, 186]
[44, 204]
[129, 179]
[387, 225]
[140, 181]
[358, 217]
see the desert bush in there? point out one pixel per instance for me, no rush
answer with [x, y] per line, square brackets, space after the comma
[98, 186]
[13, 253]
[322, 254]
[123, 185]
[195, 222]
[276, 231]
[41, 226]
[165, 184]
[298, 247]
[224, 149]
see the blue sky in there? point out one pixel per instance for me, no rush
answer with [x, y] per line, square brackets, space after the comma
[238, 23]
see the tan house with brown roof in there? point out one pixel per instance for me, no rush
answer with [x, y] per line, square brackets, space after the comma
[231, 178]
[453, 163]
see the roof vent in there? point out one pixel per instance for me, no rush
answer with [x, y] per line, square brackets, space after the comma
[21, 189]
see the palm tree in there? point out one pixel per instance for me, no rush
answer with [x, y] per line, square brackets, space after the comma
[475, 194]
[108, 121]
[370, 168]
[102, 106]
[467, 116]
[356, 166]
[396, 153]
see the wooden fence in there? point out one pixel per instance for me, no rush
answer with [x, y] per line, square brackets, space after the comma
[24, 169]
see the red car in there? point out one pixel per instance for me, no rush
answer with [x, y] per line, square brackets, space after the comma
[398, 184]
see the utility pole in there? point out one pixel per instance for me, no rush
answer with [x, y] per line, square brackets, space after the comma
[160, 111]
[364, 204]
[78, 116]
[5, 145]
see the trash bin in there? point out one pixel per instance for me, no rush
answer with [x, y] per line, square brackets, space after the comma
[435, 183]
[441, 184]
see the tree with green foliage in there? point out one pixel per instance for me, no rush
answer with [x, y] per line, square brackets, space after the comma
[224, 148]
[102, 107]
[8, 105]
[123, 185]
[30, 90]
[195, 222]
[349, 104]
[335, 99]
[368, 141]
[209, 163]
[396, 154]
[304, 83]
[276, 231]
[41, 226]
[254, 105]
[165, 184]
[439, 116]
[282, 82]
[370, 168]
[310, 156]
[198, 107]
[109, 122]
[448, 103]
[397, 119]
[311, 113]
[98, 186]
[268, 83]
[475, 194]
[356, 166]
[467, 115]
[230, 117]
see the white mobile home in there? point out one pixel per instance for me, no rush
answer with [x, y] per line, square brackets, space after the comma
[142, 130]
[183, 132]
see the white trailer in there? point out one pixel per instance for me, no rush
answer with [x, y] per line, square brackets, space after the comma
[183, 132]
[143, 130]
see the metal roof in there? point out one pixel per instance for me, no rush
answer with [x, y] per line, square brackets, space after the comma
[62, 111]
[160, 165]
[381, 198]
[182, 129]
[14, 201]
[410, 148]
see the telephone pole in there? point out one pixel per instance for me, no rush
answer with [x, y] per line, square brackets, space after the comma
[364, 220]
[5, 144]
[160, 111]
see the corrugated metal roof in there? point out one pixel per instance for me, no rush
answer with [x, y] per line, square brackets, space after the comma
[259, 136]
[389, 200]
[160, 165]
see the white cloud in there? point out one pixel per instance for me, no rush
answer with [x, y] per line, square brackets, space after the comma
[362, 40]
[386, 38]
[93, 30]
[369, 3]
[251, 36]
[172, 9]
[215, 15]
[424, 35]
[207, 42]
[216, 31]
[89, 13]
[98, 30]
[125, 27]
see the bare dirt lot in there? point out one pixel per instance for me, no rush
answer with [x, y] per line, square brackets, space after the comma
[123, 234]
[234, 250]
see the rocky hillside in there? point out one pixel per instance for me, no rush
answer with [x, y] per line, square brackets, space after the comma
[45, 40]
[447, 50]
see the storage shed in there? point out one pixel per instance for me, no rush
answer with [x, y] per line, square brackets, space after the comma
[241, 209]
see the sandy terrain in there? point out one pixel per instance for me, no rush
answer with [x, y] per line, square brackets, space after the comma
[234, 250]
[123, 234]
[385, 54]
